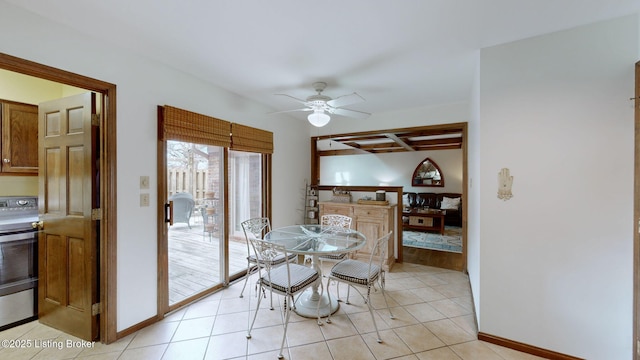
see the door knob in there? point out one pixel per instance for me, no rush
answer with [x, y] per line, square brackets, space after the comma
[6, 161]
[37, 224]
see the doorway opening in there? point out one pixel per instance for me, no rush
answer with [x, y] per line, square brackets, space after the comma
[107, 180]
[413, 145]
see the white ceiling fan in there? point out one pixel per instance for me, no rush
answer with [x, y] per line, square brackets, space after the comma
[322, 105]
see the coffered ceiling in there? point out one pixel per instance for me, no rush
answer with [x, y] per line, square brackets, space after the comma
[394, 140]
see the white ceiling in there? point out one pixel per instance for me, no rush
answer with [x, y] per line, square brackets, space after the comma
[396, 54]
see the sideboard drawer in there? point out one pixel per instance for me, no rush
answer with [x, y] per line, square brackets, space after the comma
[369, 212]
[335, 209]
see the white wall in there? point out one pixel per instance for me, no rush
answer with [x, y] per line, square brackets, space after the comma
[392, 169]
[556, 260]
[142, 86]
[473, 193]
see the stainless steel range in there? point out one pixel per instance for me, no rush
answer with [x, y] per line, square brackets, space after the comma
[18, 260]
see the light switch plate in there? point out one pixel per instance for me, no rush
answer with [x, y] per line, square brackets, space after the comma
[144, 200]
[144, 182]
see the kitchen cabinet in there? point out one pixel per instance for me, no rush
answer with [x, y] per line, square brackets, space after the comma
[374, 221]
[19, 140]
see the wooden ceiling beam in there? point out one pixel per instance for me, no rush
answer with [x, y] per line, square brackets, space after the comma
[387, 150]
[400, 142]
[379, 146]
[397, 140]
[446, 147]
[456, 140]
[441, 129]
[341, 152]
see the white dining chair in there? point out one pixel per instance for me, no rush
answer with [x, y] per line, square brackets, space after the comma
[337, 221]
[363, 274]
[255, 228]
[287, 280]
[340, 222]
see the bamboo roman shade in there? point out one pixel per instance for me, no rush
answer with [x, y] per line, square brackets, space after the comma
[246, 138]
[184, 125]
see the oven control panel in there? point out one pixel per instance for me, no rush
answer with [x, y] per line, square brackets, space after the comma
[18, 203]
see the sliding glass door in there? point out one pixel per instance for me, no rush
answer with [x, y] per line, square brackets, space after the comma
[212, 175]
[195, 235]
[245, 202]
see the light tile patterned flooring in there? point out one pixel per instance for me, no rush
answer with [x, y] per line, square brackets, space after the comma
[434, 320]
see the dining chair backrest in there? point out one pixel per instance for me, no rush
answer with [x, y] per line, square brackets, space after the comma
[271, 255]
[256, 227]
[336, 220]
[379, 254]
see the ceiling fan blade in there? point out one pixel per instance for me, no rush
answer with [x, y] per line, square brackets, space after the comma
[350, 113]
[345, 100]
[286, 111]
[294, 98]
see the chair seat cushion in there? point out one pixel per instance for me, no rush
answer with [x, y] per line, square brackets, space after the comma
[334, 256]
[301, 277]
[355, 271]
[280, 259]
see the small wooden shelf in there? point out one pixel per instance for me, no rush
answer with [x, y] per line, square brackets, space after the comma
[311, 206]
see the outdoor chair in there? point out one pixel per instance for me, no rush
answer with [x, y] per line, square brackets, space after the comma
[255, 228]
[183, 205]
[287, 280]
[365, 275]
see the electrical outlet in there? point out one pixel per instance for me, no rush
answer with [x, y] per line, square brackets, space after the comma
[144, 182]
[144, 200]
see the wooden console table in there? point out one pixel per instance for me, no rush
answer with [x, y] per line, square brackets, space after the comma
[426, 220]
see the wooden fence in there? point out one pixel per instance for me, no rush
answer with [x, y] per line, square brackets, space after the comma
[182, 180]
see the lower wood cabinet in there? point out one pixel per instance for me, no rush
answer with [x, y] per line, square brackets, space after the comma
[374, 221]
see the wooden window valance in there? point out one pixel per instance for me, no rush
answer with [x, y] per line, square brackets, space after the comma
[187, 126]
[246, 138]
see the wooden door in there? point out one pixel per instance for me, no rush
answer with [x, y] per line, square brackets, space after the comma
[19, 138]
[67, 249]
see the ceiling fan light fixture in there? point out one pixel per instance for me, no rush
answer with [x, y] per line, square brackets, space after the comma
[318, 118]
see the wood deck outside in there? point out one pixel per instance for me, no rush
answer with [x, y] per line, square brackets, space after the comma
[194, 260]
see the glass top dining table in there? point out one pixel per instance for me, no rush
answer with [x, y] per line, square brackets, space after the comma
[316, 240]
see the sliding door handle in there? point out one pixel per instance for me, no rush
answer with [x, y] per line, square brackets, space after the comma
[168, 212]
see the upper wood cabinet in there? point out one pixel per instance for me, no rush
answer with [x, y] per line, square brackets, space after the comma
[19, 138]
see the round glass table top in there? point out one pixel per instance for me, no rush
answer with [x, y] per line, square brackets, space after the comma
[314, 239]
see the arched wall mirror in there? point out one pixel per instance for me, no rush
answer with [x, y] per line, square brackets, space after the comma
[427, 173]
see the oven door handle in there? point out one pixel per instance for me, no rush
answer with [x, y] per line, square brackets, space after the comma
[19, 236]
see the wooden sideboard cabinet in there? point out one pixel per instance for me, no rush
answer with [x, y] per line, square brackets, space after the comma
[19, 140]
[374, 221]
